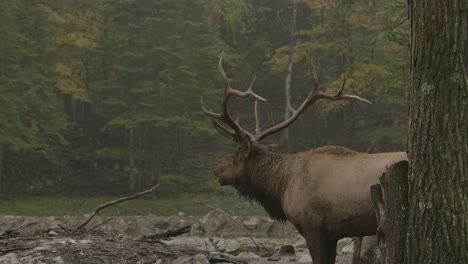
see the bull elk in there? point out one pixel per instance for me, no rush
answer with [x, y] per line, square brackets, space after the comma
[323, 192]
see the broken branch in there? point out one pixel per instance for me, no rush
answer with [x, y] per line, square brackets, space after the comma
[170, 233]
[111, 203]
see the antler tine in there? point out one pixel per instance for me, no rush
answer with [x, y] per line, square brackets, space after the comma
[313, 96]
[238, 132]
[222, 72]
[252, 93]
[226, 132]
[208, 112]
[230, 90]
[339, 95]
[248, 92]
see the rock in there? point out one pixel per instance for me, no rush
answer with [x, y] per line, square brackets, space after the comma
[345, 246]
[298, 242]
[52, 233]
[305, 258]
[248, 256]
[274, 258]
[196, 230]
[181, 214]
[198, 243]
[286, 250]
[218, 257]
[59, 260]
[283, 252]
[32, 259]
[345, 242]
[200, 259]
[212, 222]
[10, 258]
[182, 260]
[348, 249]
[293, 259]
[227, 246]
[252, 223]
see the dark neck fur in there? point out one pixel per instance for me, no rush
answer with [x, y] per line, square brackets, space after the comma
[265, 182]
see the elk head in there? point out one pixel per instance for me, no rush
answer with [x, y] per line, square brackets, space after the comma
[235, 170]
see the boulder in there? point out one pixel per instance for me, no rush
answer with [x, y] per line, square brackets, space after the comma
[10, 258]
[200, 259]
[213, 222]
[227, 246]
[252, 223]
[305, 258]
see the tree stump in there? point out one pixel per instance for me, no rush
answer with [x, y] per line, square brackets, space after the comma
[390, 199]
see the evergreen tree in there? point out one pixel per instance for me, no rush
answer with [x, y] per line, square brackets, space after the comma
[30, 118]
[156, 59]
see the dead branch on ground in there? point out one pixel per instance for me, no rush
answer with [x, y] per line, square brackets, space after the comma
[223, 257]
[100, 224]
[170, 233]
[109, 204]
[65, 229]
[4, 251]
[13, 231]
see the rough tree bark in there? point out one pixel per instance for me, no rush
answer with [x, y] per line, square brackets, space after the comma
[438, 137]
[391, 206]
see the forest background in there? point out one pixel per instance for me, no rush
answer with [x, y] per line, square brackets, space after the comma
[102, 97]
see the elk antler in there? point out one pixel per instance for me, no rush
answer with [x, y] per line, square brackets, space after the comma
[237, 132]
[313, 96]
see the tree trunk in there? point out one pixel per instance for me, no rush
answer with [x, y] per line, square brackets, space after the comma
[438, 136]
[292, 43]
[390, 199]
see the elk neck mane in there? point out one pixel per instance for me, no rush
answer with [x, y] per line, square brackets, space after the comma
[266, 181]
[268, 176]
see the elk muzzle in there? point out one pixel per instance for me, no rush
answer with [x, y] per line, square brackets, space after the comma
[221, 173]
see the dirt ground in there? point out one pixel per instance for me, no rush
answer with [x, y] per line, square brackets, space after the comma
[100, 248]
[89, 249]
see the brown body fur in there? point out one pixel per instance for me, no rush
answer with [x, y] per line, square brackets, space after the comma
[324, 192]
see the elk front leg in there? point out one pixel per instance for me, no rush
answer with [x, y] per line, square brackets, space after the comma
[322, 250]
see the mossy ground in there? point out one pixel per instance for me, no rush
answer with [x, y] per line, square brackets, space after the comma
[174, 195]
[61, 205]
